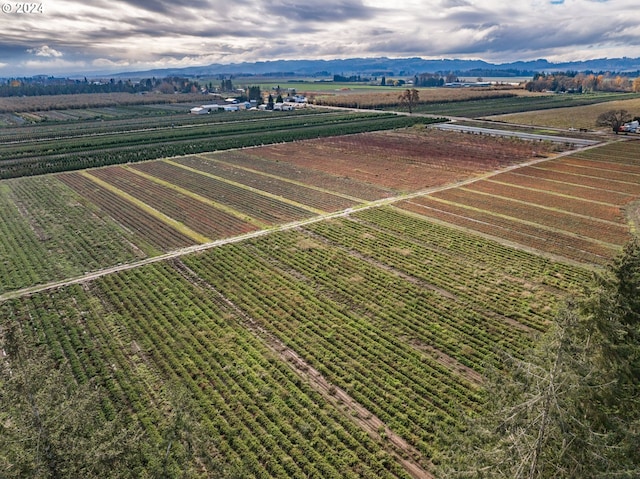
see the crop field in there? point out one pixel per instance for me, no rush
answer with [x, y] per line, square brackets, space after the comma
[387, 97]
[478, 108]
[571, 116]
[504, 104]
[332, 350]
[398, 160]
[40, 149]
[41, 220]
[350, 296]
[573, 206]
[143, 209]
[42, 104]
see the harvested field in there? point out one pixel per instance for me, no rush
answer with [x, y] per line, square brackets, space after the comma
[575, 178]
[321, 200]
[571, 117]
[587, 168]
[517, 178]
[407, 160]
[196, 215]
[306, 174]
[247, 202]
[380, 99]
[88, 100]
[579, 206]
[614, 234]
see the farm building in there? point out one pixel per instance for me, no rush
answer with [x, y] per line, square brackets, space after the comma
[205, 109]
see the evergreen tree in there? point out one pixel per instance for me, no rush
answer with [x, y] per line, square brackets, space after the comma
[52, 427]
[572, 408]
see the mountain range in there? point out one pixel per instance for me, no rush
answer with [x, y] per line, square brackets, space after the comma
[392, 67]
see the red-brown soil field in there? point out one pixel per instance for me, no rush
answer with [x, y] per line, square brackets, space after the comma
[572, 206]
[407, 160]
[223, 194]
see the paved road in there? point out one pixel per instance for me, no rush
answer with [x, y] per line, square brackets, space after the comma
[516, 134]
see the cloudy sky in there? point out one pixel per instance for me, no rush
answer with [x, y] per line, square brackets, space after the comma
[65, 36]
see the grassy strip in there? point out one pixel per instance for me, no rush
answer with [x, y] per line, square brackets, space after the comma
[157, 214]
[197, 197]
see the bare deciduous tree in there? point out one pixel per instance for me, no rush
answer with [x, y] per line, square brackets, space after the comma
[614, 119]
[410, 98]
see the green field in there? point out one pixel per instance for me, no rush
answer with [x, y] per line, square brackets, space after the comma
[407, 342]
[501, 106]
[38, 149]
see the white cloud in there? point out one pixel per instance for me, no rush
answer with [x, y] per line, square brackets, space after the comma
[45, 51]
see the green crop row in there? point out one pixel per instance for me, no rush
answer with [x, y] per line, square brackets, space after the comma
[496, 291]
[408, 389]
[402, 307]
[143, 134]
[48, 157]
[470, 248]
[42, 218]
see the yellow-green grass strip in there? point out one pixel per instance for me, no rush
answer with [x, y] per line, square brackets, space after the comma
[250, 188]
[197, 197]
[185, 230]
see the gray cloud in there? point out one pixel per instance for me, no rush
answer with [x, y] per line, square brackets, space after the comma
[180, 32]
[326, 11]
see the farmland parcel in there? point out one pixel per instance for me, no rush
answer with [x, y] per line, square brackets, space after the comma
[352, 342]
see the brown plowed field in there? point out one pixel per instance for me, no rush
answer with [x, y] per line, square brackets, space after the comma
[406, 160]
[579, 206]
[516, 178]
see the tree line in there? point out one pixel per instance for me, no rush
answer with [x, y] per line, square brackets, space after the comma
[576, 82]
[64, 86]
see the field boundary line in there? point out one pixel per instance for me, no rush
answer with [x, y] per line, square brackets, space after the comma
[586, 176]
[520, 173]
[587, 167]
[530, 223]
[175, 224]
[555, 193]
[288, 180]
[549, 208]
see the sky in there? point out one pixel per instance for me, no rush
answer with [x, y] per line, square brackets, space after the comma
[65, 37]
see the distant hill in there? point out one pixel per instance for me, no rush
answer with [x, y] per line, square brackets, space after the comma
[390, 67]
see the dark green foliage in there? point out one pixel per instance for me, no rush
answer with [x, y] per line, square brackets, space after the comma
[612, 315]
[66, 154]
[571, 409]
